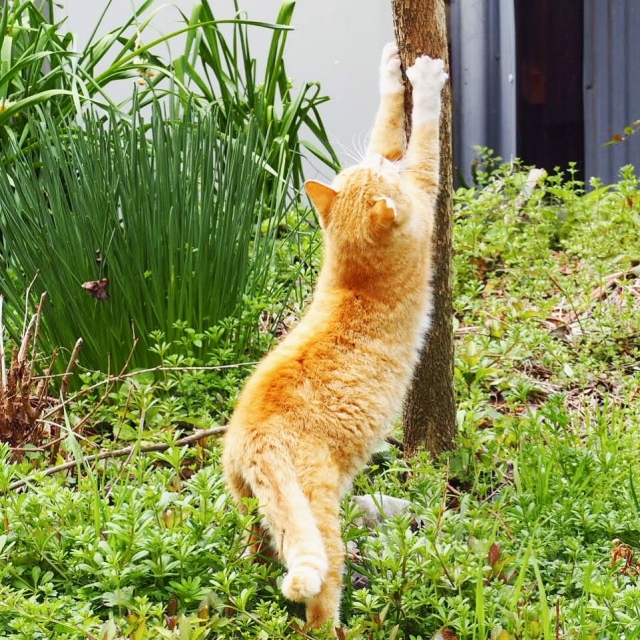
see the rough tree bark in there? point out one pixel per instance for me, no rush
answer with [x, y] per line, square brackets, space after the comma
[430, 411]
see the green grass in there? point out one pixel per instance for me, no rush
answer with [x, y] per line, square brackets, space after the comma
[519, 533]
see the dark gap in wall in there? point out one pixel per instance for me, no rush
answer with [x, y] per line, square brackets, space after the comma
[550, 105]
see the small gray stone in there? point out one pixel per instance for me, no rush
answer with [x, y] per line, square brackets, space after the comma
[358, 581]
[377, 508]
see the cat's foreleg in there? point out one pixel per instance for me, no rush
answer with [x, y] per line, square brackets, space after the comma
[427, 77]
[387, 137]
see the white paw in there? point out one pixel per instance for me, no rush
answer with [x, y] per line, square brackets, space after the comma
[302, 583]
[427, 77]
[427, 73]
[390, 74]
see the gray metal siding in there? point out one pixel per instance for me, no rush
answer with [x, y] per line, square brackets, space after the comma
[483, 79]
[611, 85]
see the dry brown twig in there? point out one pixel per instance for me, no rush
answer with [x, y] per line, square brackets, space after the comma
[566, 325]
[117, 453]
[113, 379]
[128, 451]
[39, 413]
[24, 395]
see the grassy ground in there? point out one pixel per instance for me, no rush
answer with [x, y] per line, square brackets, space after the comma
[530, 529]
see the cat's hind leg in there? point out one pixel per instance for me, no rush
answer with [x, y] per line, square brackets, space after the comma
[324, 497]
[291, 525]
[387, 136]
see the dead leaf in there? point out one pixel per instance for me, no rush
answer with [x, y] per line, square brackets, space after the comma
[172, 606]
[622, 554]
[494, 555]
[445, 634]
[97, 288]
[171, 622]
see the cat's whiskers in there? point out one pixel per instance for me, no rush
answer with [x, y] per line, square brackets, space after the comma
[349, 152]
[402, 164]
[360, 146]
[364, 144]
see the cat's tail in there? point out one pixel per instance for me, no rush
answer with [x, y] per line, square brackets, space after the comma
[289, 519]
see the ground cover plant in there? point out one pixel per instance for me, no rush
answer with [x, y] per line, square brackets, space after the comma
[530, 529]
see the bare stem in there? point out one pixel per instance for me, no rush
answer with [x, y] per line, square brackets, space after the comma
[72, 363]
[36, 332]
[127, 451]
[26, 337]
[117, 453]
[123, 376]
[3, 364]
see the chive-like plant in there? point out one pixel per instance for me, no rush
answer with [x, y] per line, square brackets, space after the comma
[133, 228]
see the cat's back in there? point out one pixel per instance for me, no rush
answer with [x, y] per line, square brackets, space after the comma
[347, 361]
[344, 370]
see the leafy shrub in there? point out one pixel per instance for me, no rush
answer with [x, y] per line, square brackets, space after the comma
[81, 201]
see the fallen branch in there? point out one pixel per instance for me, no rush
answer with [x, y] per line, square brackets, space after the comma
[117, 453]
[148, 448]
[575, 315]
[394, 442]
[610, 281]
[113, 379]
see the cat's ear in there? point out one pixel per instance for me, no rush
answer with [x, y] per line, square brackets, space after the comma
[321, 195]
[384, 212]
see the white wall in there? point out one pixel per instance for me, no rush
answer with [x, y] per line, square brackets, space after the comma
[337, 42]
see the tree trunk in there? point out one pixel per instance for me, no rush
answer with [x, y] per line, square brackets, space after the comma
[430, 410]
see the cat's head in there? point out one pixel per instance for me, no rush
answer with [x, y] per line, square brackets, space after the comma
[363, 204]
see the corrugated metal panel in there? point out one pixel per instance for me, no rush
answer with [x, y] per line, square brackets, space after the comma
[483, 79]
[503, 116]
[612, 84]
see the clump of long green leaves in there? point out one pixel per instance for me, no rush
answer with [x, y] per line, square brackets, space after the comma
[165, 227]
[220, 68]
[33, 59]
[39, 70]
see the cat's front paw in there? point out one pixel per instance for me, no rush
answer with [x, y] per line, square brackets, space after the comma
[390, 73]
[427, 77]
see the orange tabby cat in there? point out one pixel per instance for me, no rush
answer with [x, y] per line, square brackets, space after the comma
[318, 405]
